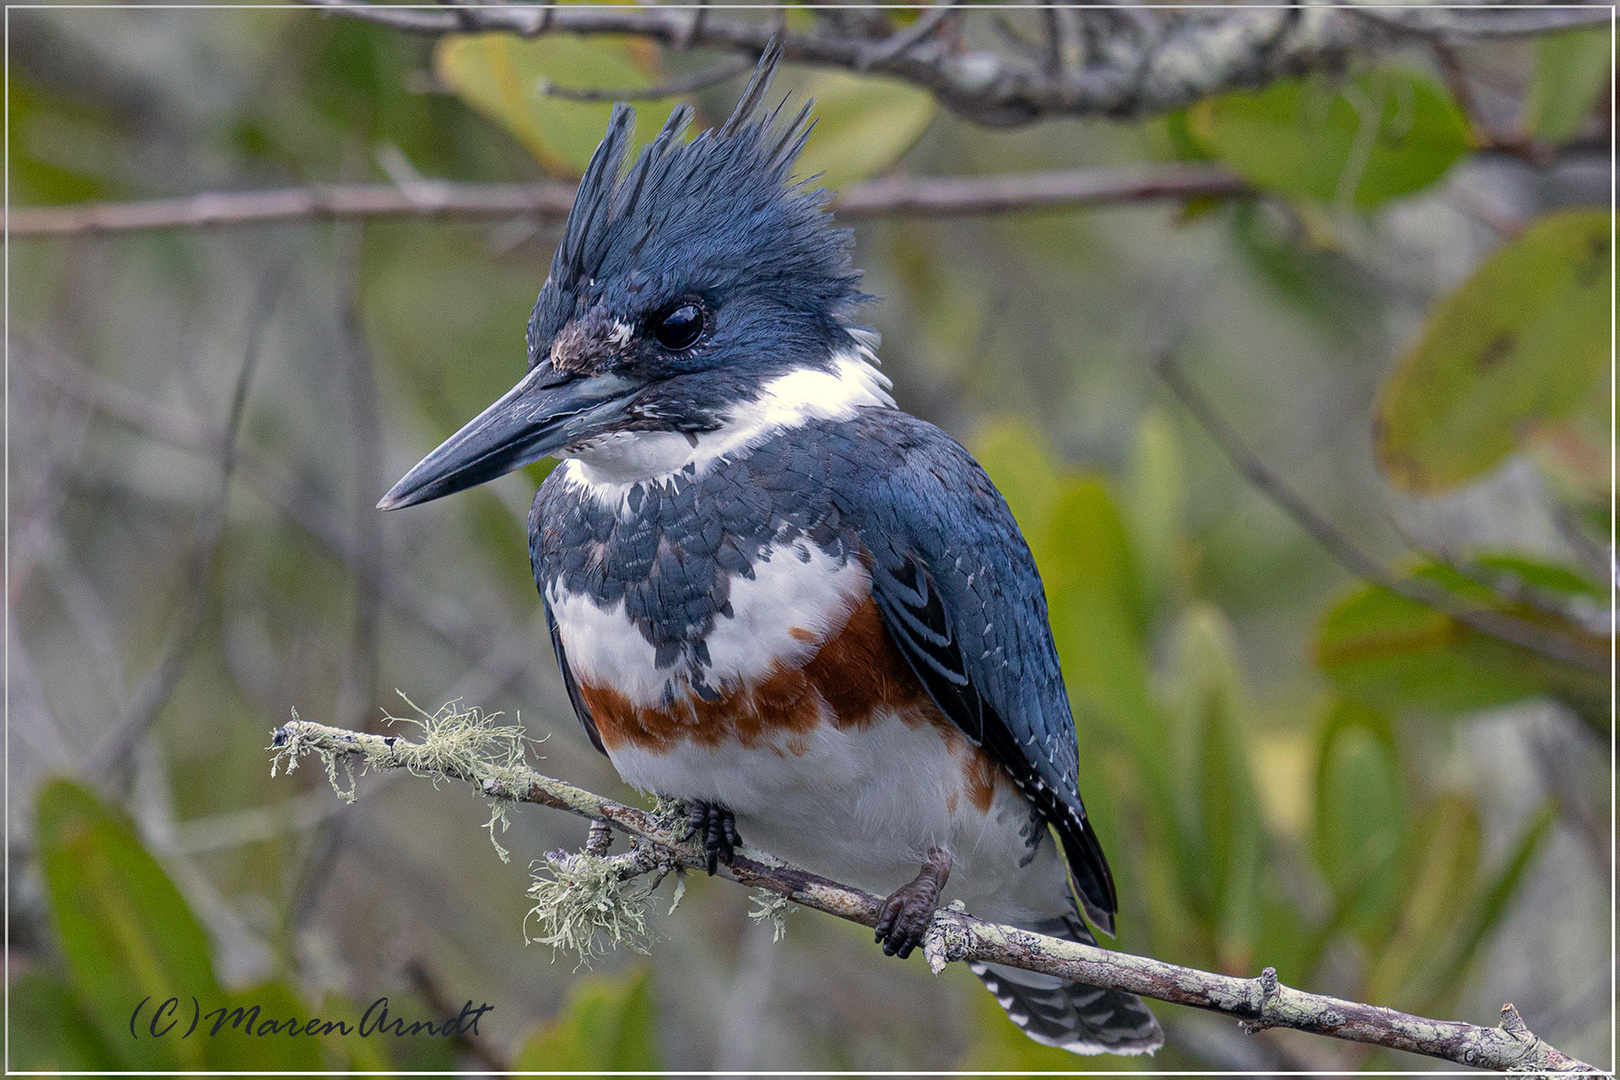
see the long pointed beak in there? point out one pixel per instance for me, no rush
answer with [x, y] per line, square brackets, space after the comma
[544, 412]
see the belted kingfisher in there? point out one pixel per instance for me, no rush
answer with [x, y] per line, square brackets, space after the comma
[772, 593]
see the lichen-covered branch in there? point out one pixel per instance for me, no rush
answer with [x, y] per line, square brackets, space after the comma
[469, 747]
[1137, 61]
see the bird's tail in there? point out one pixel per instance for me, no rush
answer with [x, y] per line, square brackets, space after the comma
[1072, 1016]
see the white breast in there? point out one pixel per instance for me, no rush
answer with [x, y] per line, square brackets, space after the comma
[798, 597]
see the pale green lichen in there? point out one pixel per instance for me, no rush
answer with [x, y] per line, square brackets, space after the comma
[772, 906]
[296, 747]
[670, 813]
[584, 906]
[460, 743]
[457, 743]
[466, 743]
[679, 891]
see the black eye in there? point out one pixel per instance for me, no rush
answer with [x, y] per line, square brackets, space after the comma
[679, 326]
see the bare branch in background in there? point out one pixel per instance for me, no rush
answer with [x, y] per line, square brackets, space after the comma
[1461, 24]
[1564, 648]
[317, 202]
[926, 24]
[951, 196]
[1143, 69]
[685, 84]
[954, 935]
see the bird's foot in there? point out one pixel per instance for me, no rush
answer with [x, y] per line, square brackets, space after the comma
[717, 827]
[905, 915]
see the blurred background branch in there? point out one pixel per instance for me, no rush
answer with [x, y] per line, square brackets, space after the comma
[1137, 62]
[967, 196]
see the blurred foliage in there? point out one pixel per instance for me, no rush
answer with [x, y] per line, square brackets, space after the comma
[1358, 143]
[57, 146]
[509, 78]
[129, 937]
[608, 1025]
[1390, 651]
[1174, 746]
[862, 125]
[1512, 351]
[1570, 69]
[1299, 820]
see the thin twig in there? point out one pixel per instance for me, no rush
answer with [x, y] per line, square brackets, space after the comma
[1497, 624]
[1456, 80]
[937, 196]
[926, 24]
[683, 84]
[1577, 609]
[357, 688]
[957, 936]
[317, 202]
[683, 41]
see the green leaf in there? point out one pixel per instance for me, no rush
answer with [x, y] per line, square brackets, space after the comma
[1220, 803]
[1571, 68]
[124, 928]
[1442, 862]
[1360, 815]
[63, 149]
[1155, 506]
[609, 1024]
[1512, 351]
[1021, 463]
[1099, 624]
[1386, 133]
[1184, 141]
[1484, 913]
[863, 126]
[1390, 652]
[51, 1030]
[505, 78]
[1089, 547]
[1098, 616]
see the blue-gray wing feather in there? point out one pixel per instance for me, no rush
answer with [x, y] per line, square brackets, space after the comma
[960, 594]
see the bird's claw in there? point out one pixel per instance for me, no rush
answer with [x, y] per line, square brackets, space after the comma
[902, 920]
[905, 915]
[717, 827]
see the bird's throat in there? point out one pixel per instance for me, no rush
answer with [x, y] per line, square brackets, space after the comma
[608, 465]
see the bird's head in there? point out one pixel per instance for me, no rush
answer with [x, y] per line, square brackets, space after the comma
[689, 303]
